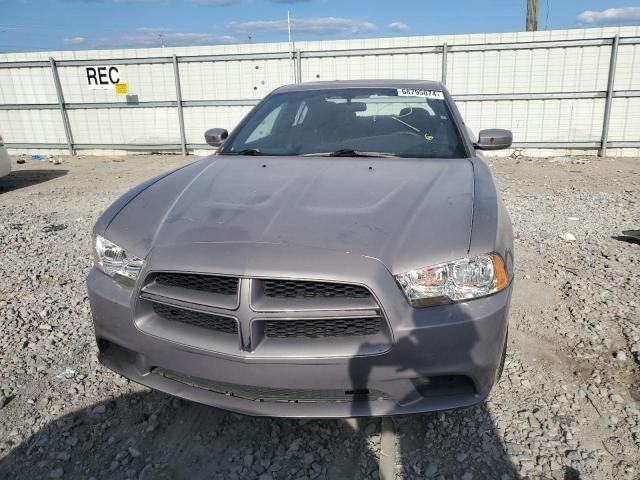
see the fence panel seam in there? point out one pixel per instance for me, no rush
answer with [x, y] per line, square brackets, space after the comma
[610, 94]
[176, 76]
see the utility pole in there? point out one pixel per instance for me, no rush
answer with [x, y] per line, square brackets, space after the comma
[532, 15]
[293, 65]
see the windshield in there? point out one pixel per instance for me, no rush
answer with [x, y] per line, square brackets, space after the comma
[386, 121]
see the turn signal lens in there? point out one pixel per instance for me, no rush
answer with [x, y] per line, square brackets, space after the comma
[500, 273]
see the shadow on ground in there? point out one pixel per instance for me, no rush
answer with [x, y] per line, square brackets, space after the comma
[26, 178]
[150, 435]
[627, 239]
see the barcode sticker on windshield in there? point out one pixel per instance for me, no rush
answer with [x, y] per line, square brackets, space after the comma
[420, 92]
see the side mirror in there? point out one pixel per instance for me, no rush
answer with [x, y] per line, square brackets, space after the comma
[215, 136]
[494, 139]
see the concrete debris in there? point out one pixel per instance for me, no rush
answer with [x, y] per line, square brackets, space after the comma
[517, 153]
[620, 355]
[67, 374]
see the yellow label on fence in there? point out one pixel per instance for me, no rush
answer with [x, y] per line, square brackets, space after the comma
[122, 89]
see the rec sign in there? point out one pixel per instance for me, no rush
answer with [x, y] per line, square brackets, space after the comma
[102, 77]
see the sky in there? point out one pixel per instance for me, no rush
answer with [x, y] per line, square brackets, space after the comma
[27, 25]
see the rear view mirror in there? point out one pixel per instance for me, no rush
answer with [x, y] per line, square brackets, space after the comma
[494, 139]
[215, 136]
[357, 106]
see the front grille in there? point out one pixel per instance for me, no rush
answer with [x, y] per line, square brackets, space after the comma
[255, 393]
[299, 288]
[205, 283]
[326, 327]
[197, 319]
[274, 318]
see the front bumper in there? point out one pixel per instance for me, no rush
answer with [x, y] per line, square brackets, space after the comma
[439, 358]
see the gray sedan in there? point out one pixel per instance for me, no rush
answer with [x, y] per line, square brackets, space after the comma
[344, 252]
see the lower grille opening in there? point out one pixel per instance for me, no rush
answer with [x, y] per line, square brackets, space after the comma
[358, 393]
[267, 394]
[445, 385]
[197, 319]
[325, 327]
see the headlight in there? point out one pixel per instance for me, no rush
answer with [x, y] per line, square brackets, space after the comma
[454, 281]
[114, 261]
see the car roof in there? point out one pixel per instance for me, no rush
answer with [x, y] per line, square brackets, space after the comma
[423, 84]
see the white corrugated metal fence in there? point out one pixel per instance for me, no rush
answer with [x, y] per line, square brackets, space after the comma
[551, 88]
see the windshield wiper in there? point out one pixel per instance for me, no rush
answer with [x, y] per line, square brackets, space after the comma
[246, 151]
[349, 152]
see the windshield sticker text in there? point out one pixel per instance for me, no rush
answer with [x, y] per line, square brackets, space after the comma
[420, 92]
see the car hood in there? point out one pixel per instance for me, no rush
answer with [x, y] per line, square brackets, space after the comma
[405, 213]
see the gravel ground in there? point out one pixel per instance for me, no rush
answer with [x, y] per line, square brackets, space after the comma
[567, 406]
